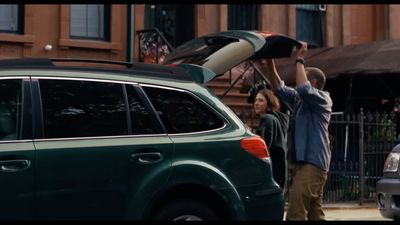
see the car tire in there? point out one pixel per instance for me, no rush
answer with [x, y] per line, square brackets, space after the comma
[185, 210]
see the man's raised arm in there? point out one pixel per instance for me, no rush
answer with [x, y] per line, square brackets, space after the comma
[273, 75]
[301, 77]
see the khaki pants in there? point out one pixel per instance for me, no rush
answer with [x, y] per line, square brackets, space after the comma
[305, 193]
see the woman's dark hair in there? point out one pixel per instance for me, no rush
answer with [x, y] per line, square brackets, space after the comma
[272, 100]
[255, 89]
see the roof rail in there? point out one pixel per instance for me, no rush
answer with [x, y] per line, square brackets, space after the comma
[150, 69]
[49, 61]
[91, 61]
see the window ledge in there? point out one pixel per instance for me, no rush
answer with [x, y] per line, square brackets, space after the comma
[17, 38]
[88, 44]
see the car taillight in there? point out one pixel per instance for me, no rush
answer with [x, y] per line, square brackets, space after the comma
[256, 146]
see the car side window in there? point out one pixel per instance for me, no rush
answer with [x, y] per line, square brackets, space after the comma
[73, 108]
[140, 117]
[10, 109]
[181, 112]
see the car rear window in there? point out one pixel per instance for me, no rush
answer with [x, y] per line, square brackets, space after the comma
[181, 112]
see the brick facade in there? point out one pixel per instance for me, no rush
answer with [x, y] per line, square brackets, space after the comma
[49, 24]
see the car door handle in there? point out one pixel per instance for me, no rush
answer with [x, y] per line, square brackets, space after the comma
[14, 165]
[148, 157]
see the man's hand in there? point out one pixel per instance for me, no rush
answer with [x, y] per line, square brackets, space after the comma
[301, 52]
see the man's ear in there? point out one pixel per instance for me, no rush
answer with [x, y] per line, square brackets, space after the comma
[313, 82]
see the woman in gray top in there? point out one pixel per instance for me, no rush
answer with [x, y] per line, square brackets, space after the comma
[273, 129]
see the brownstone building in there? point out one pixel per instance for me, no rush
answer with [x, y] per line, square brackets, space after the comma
[109, 31]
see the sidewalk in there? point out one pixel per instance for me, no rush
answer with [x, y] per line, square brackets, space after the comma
[351, 211]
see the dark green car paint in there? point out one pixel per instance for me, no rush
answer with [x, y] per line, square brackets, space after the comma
[17, 190]
[97, 178]
[101, 178]
[225, 167]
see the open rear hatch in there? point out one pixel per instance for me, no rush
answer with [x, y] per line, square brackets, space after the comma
[212, 55]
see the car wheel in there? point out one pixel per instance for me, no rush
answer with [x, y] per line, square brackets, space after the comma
[185, 210]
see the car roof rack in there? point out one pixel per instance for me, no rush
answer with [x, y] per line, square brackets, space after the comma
[155, 69]
[103, 61]
[49, 61]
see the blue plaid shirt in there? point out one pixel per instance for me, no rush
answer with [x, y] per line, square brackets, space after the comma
[312, 110]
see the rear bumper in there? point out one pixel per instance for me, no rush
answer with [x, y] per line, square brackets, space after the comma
[261, 204]
[388, 197]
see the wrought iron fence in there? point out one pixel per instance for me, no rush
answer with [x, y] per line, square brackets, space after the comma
[359, 145]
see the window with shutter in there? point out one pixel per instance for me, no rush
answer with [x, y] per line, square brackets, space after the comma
[243, 17]
[90, 22]
[310, 24]
[11, 18]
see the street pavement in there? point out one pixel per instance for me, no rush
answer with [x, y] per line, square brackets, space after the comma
[354, 214]
[352, 211]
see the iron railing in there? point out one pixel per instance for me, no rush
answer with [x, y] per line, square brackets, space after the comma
[153, 46]
[360, 145]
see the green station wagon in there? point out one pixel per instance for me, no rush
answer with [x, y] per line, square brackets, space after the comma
[136, 143]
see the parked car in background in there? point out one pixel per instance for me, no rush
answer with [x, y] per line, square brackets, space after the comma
[388, 187]
[142, 142]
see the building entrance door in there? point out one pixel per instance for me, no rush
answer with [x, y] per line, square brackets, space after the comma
[176, 22]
